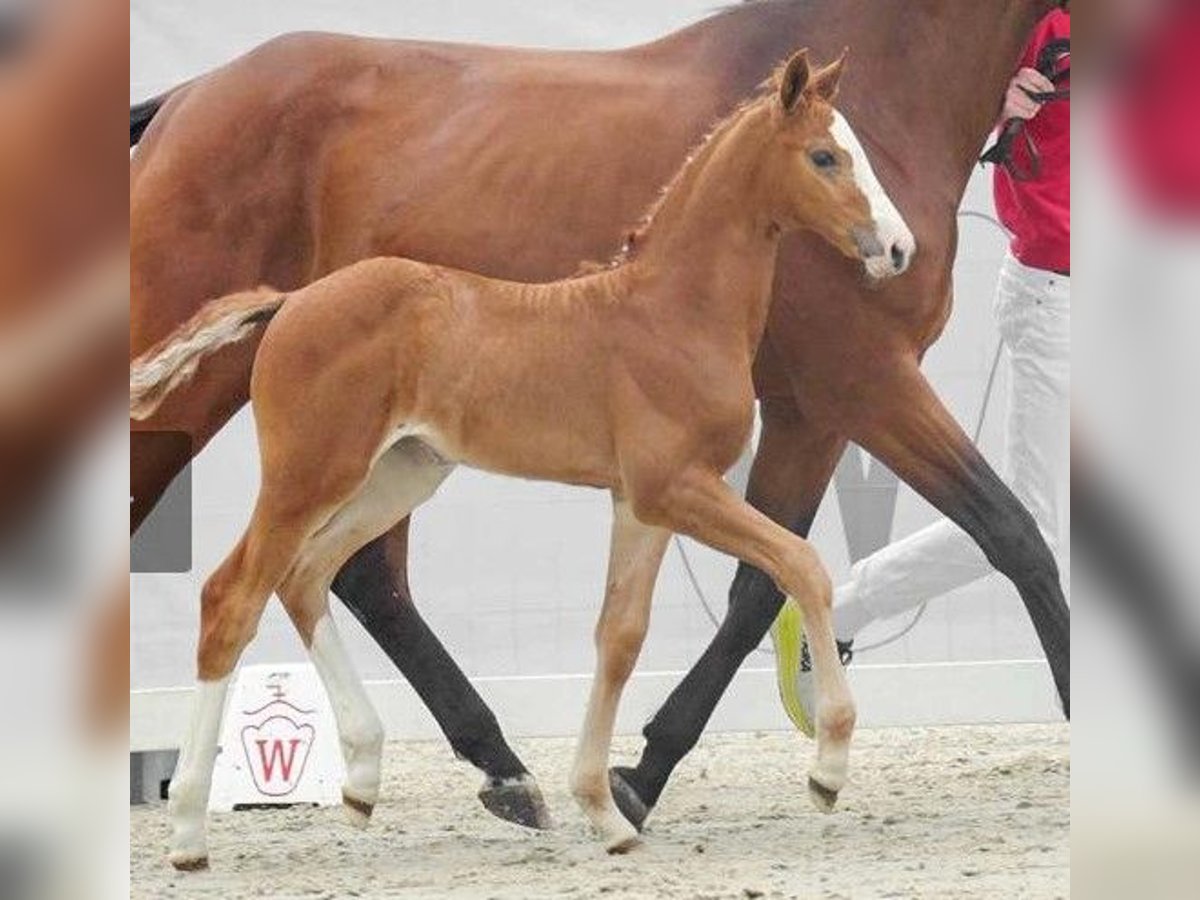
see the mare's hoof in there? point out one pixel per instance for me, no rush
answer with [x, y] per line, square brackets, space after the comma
[189, 863]
[518, 800]
[632, 806]
[358, 812]
[823, 798]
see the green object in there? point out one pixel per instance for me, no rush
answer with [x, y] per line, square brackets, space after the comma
[787, 634]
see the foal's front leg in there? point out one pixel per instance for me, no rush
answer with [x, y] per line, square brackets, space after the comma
[704, 507]
[635, 555]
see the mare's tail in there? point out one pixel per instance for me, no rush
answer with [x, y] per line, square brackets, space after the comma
[173, 361]
[141, 114]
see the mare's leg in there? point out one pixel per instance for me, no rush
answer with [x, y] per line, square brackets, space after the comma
[793, 465]
[700, 504]
[404, 477]
[911, 432]
[634, 558]
[373, 585]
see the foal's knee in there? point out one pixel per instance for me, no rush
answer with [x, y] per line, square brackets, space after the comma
[803, 576]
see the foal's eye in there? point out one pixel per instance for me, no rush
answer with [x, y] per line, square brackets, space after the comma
[823, 159]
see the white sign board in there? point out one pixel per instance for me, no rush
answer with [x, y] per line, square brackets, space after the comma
[279, 742]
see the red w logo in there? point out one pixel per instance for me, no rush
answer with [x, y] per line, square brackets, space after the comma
[276, 752]
[277, 757]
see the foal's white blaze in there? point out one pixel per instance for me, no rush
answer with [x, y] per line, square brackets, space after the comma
[188, 795]
[895, 238]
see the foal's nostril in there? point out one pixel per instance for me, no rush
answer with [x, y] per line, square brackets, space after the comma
[899, 258]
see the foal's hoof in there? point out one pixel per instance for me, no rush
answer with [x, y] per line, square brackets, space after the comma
[358, 812]
[632, 806]
[623, 844]
[823, 798]
[189, 863]
[518, 800]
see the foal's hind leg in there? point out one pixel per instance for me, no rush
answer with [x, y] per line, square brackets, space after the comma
[700, 504]
[231, 605]
[634, 558]
[403, 478]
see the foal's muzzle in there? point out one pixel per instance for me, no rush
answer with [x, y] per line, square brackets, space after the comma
[886, 250]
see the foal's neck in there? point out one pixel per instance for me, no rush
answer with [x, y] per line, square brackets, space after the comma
[709, 247]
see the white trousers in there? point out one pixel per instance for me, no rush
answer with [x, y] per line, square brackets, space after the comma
[1033, 311]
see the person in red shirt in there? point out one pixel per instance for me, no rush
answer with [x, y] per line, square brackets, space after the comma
[1037, 210]
[1033, 312]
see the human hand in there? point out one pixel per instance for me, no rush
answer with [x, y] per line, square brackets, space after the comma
[1017, 103]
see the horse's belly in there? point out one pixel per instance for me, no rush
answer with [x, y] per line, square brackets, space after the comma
[544, 447]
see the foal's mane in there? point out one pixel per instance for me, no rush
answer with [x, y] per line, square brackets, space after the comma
[634, 235]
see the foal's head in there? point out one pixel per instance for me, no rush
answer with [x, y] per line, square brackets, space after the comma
[818, 176]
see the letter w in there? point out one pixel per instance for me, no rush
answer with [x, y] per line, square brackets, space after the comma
[277, 757]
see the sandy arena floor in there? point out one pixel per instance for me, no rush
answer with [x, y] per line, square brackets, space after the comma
[937, 812]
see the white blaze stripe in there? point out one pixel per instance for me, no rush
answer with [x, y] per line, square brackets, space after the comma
[890, 225]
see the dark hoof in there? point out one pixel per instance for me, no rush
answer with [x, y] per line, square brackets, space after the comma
[623, 846]
[358, 812]
[824, 798]
[193, 864]
[632, 806]
[517, 800]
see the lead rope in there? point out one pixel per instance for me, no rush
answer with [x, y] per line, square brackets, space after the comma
[1049, 63]
[698, 589]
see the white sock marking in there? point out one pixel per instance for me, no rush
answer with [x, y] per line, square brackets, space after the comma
[189, 789]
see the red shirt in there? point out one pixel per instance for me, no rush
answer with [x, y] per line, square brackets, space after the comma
[1157, 126]
[1038, 212]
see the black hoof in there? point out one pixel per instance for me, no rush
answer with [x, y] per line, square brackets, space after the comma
[516, 800]
[193, 864]
[632, 806]
[824, 798]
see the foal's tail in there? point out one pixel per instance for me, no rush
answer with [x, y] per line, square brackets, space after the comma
[173, 361]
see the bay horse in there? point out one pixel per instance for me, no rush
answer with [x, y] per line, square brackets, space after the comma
[314, 151]
[635, 379]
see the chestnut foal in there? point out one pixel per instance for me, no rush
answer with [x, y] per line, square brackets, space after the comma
[374, 382]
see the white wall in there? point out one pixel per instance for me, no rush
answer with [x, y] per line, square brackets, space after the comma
[509, 574]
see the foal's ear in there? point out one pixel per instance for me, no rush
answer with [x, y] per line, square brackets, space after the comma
[793, 80]
[825, 82]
